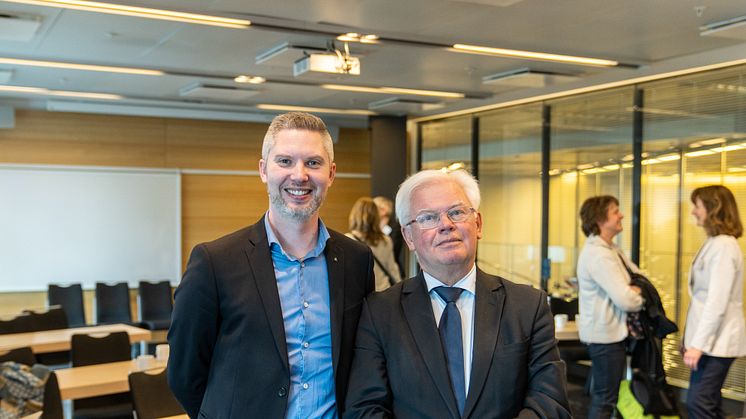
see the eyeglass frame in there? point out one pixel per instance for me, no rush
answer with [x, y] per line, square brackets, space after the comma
[440, 215]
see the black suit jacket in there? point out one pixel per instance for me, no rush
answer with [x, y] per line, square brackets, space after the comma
[399, 369]
[228, 355]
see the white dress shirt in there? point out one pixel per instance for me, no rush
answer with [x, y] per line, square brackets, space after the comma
[465, 305]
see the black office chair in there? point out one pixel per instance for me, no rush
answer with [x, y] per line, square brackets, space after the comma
[52, 399]
[570, 351]
[91, 350]
[22, 355]
[19, 324]
[155, 303]
[52, 319]
[70, 298]
[113, 303]
[151, 395]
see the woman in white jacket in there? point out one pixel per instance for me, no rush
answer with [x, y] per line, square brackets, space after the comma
[605, 298]
[715, 333]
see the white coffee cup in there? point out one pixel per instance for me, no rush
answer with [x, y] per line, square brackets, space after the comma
[161, 352]
[560, 321]
[144, 362]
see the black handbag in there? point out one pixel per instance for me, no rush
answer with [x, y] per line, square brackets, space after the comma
[656, 398]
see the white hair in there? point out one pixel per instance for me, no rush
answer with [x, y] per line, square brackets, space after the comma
[461, 177]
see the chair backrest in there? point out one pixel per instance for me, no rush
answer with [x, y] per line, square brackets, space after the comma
[91, 349]
[52, 319]
[20, 355]
[151, 395]
[19, 324]
[70, 298]
[567, 306]
[113, 303]
[155, 303]
[52, 399]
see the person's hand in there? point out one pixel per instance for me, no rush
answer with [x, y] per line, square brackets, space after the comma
[636, 289]
[682, 349]
[691, 358]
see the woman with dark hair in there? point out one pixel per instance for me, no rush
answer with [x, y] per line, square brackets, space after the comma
[715, 333]
[606, 297]
[365, 226]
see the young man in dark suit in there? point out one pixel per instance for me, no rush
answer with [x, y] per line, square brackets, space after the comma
[264, 318]
[453, 341]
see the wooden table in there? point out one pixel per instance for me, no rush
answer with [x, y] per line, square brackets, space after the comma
[568, 332]
[184, 416]
[59, 340]
[98, 380]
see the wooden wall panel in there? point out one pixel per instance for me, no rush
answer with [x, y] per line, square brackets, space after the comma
[214, 145]
[80, 139]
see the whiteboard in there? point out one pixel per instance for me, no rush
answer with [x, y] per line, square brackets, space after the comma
[61, 224]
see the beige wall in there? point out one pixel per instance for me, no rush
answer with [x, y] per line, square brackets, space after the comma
[212, 205]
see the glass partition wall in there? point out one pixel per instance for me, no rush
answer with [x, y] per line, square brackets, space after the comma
[693, 133]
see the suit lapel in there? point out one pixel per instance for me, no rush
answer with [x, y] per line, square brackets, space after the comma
[260, 261]
[489, 303]
[335, 268]
[419, 315]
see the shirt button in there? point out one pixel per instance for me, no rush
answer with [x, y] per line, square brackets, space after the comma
[302, 264]
[305, 386]
[282, 392]
[306, 344]
[305, 304]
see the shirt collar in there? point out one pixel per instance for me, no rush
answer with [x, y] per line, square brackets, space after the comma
[467, 283]
[316, 251]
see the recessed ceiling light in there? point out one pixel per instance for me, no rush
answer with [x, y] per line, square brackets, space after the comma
[84, 67]
[361, 38]
[249, 79]
[47, 92]
[543, 56]
[290, 108]
[121, 9]
[394, 90]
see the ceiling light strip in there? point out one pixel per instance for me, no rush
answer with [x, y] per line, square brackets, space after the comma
[290, 108]
[85, 67]
[120, 9]
[47, 92]
[395, 90]
[543, 56]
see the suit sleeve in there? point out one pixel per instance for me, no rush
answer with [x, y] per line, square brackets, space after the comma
[546, 395]
[723, 271]
[369, 394]
[193, 331]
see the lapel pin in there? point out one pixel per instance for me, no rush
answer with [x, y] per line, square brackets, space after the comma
[335, 258]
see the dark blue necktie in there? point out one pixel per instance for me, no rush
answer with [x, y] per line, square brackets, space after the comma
[450, 337]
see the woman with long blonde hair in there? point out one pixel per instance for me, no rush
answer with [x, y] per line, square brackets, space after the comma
[365, 226]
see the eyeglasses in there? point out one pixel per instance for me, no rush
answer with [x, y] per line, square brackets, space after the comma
[427, 220]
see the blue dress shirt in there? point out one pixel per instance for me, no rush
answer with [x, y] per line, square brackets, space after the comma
[303, 285]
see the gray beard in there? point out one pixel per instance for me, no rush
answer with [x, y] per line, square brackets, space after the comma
[295, 214]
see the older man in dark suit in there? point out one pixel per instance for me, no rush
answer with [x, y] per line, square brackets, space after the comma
[265, 318]
[453, 342]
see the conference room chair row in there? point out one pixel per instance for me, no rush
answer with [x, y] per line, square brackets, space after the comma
[149, 396]
[112, 305]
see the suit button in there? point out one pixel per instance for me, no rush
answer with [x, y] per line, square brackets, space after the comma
[282, 392]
